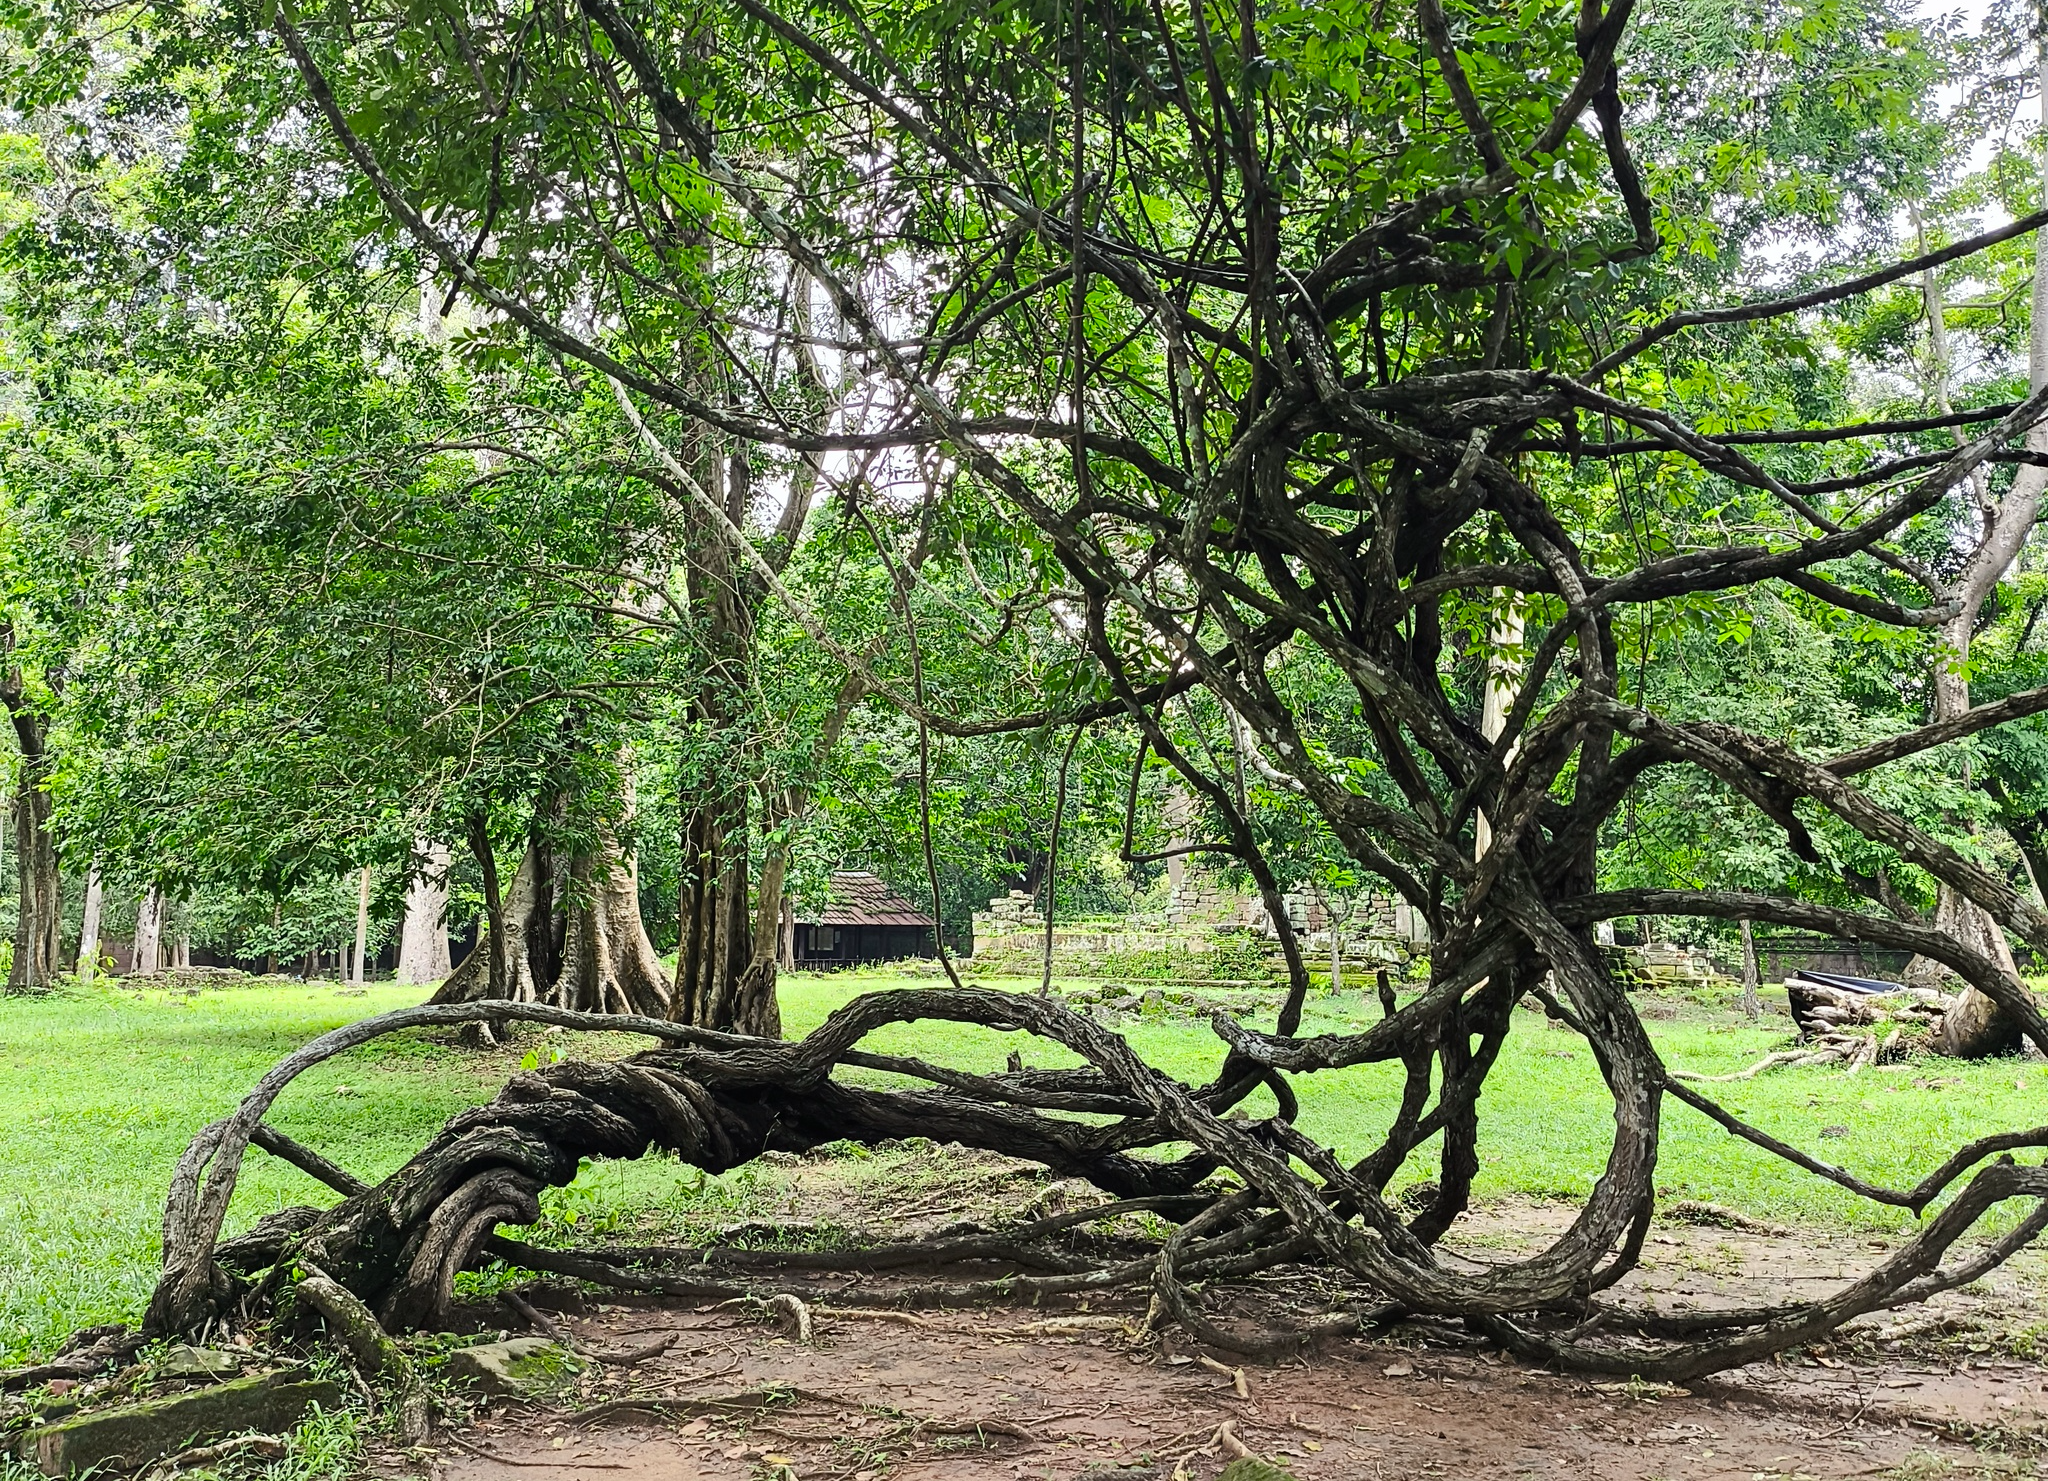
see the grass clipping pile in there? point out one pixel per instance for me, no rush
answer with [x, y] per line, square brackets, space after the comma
[1242, 1198]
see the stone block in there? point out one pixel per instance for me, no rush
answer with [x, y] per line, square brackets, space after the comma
[136, 1434]
[520, 1368]
[1253, 1470]
[198, 1362]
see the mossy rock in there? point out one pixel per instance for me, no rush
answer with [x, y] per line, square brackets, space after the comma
[523, 1367]
[132, 1436]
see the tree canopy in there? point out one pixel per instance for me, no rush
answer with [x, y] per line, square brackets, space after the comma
[1545, 464]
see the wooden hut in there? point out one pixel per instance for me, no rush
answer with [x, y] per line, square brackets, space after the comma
[862, 920]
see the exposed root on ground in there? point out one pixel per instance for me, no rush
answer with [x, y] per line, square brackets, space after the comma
[1854, 1052]
[1248, 1197]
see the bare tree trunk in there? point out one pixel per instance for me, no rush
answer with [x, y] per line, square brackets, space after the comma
[1975, 1026]
[757, 984]
[181, 952]
[1751, 1004]
[515, 959]
[359, 971]
[494, 956]
[571, 937]
[728, 956]
[608, 963]
[89, 924]
[423, 940]
[717, 927]
[38, 940]
[149, 932]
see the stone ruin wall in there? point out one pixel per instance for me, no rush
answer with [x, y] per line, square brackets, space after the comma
[1212, 932]
[1208, 931]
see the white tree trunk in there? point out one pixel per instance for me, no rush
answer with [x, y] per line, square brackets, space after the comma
[357, 973]
[149, 932]
[423, 941]
[1751, 1004]
[89, 925]
[1503, 683]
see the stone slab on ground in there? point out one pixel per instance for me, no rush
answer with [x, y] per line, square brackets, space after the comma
[137, 1434]
[523, 1367]
[199, 1362]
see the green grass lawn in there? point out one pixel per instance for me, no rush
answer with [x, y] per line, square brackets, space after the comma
[1547, 1122]
[101, 1089]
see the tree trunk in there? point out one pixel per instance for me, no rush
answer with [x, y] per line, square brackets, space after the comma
[38, 942]
[1751, 1004]
[761, 1011]
[359, 972]
[519, 928]
[1975, 1026]
[714, 988]
[491, 952]
[571, 937]
[423, 940]
[608, 963]
[149, 932]
[89, 924]
[726, 956]
[38, 927]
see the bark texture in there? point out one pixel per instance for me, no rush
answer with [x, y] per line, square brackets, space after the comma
[423, 954]
[89, 922]
[149, 932]
[569, 933]
[38, 941]
[713, 988]
[38, 928]
[358, 964]
[718, 1100]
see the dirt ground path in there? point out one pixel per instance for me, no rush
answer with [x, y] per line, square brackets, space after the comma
[1950, 1389]
[988, 1398]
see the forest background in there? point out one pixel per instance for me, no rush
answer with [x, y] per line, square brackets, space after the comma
[311, 564]
[613, 465]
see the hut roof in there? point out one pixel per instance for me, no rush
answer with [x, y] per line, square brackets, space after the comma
[858, 898]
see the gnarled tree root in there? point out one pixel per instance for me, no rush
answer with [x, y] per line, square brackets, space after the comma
[718, 1101]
